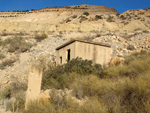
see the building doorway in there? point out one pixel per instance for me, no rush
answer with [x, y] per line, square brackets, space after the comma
[68, 55]
[61, 60]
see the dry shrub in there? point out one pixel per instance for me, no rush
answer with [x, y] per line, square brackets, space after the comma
[14, 95]
[40, 37]
[110, 19]
[89, 86]
[2, 56]
[121, 89]
[5, 93]
[93, 105]
[16, 44]
[115, 71]
[130, 47]
[6, 63]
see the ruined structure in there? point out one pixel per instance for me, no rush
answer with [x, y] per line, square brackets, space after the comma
[97, 52]
[34, 85]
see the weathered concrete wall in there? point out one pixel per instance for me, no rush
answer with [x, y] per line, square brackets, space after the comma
[84, 50]
[104, 55]
[98, 54]
[34, 85]
[63, 53]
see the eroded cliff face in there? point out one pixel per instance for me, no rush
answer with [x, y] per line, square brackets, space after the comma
[47, 19]
[78, 9]
[76, 18]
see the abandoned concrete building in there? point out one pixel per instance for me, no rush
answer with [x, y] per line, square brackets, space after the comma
[97, 52]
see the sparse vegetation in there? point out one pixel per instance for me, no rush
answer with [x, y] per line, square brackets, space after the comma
[7, 62]
[119, 89]
[74, 16]
[86, 13]
[6, 93]
[117, 14]
[16, 44]
[110, 19]
[98, 17]
[130, 47]
[126, 23]
[68, 20]
[2, 56]
[16, 91]
[123, 17]
[145, 31]
[82, 18]
[136, 15]
[41, 37]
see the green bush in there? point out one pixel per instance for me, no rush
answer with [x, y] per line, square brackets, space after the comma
[55, 75]
[98, 17]
[86, 13]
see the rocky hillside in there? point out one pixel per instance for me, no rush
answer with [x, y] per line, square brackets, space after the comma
[69, 10]
[30, 39]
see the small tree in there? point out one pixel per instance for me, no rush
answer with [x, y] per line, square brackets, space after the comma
[86, 13]
[123, 17]
[98, 17]
[110, 19]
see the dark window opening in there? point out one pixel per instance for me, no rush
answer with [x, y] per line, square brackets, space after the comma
[60, 60]
[68, 55]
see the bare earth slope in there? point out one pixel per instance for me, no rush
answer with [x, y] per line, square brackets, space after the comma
[127, 32]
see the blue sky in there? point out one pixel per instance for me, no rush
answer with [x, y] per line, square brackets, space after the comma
[119, 5]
